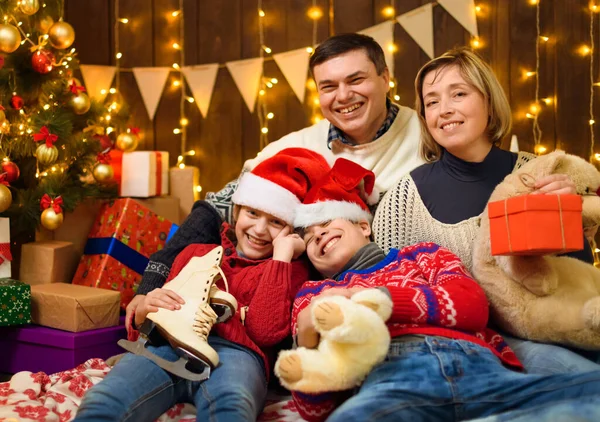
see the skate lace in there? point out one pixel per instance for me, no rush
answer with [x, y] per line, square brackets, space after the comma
[205, 316]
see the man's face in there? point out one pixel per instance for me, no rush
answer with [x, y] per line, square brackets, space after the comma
[331, 245]
[352, 94]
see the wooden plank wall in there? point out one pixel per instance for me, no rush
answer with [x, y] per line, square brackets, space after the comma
[226, 30]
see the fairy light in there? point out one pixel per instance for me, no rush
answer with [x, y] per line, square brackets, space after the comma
[535, 127]
[315, 13]
[388, 12]
[265, 83]
[315, 115]
[592, 121]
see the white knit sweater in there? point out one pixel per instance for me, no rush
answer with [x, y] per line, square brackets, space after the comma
[402, 220]
[390, 157]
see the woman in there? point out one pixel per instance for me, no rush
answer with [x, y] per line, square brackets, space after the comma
[464, 115]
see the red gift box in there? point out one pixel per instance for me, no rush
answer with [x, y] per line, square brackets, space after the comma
[120, 242]
[536, 225]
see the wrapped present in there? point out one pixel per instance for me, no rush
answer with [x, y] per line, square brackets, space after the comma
[74, 308]
[122, 239]
[536, 225]
[144, 174]
[50, 261]
[183, 184]
[15, 302]
[166, 206]
[5, 255]
[34, 348]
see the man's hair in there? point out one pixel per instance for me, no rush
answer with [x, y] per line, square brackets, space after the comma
[344, 43]
[480, 75]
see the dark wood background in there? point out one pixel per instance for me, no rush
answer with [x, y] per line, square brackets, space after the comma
[226, 30]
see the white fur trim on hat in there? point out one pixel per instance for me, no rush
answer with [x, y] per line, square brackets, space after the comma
[266, 196]
[324, 211]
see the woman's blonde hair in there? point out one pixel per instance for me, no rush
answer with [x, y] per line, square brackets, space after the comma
[480, 75]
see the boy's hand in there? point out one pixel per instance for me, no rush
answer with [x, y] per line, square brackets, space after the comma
[287, 245]
[130, 310]
[157, 298]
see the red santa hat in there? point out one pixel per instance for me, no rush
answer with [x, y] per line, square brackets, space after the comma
[279, 184]
[346, 191]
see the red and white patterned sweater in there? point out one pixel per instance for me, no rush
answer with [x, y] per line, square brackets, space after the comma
[433, 294]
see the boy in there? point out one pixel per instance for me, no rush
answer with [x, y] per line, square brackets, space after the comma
[444, 363]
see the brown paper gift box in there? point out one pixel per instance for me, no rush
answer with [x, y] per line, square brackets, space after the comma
[51, 261]
[74, 308]
[183, 186]
[166, 206]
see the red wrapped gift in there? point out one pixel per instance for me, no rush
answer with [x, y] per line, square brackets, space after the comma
[120, 242]
[536, 225]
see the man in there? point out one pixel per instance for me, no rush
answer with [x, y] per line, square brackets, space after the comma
[361, 125]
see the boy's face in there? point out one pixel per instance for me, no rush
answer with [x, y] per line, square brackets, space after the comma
[331, 245]
[255, 231]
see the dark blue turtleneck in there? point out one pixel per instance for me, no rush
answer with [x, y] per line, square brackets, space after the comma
[454, 190]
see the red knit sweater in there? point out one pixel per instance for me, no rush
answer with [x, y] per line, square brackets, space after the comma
[267, 287]
[433, 294]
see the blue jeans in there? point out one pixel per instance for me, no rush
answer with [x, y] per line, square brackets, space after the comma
[136, 389]
[548, 359]
[437, 379]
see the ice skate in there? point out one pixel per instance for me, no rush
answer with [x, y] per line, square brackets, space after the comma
[187, 328]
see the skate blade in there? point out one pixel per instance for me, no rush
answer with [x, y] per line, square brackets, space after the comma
[224, 312]
[179, 368]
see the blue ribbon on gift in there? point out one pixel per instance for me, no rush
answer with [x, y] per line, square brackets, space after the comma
[174, 228]
[118, 250]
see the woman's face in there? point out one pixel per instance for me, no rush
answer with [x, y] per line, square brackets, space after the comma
[456, 114]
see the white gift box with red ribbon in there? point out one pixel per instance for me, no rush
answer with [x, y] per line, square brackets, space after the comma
[5, 255]
[145, 174]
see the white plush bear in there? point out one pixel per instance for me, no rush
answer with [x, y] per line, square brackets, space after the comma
[544, 298]
[354, 338]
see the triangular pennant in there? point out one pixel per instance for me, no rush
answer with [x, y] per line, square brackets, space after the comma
[464, 12]
[96, 79]
[246, 75]
[294, 66]
[151, 82]
[201, 80]
[384, 35]
[514, 144]
[419, 25]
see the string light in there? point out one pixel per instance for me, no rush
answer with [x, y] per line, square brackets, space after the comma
[591, 121]
[265, 83]
[315, 114]
[536, 129]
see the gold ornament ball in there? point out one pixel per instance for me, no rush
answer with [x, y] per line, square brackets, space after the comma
[51, 220]
[29, 7]
[5, 126]
[44, 24]
[61, 35]
[46, 155]
[80, 103]
[127, 142]
[10, 38]
[103, 173]
[5, 198]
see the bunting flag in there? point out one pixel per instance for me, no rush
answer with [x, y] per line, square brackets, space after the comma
[419, 25]
[246, 75]
[514, 144]
[201, 80]
[294, 66]
[97, 78]
[151, 82]
[464, 12]
[384, 35]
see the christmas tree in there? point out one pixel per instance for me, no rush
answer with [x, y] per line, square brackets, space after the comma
[54, 139]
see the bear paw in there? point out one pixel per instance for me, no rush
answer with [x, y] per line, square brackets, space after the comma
[289, 368]
[327, 315]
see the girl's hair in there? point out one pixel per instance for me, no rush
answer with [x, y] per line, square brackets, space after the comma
[480, 75]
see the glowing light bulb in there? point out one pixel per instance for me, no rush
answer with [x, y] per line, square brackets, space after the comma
[533, 108]
[176, 46]
[540, 149]
[124, 20]
[113, 90]
[396, 98]
[309, 50]
[584, 50]
[175, 66]
[544, 38]
[261, 92]
[315, 13]
[392, 84]
[388, 12]
[176, 131]
[261, 13]
[267, 49]
[476, 43]
[184, 122]
[274, 80]
[265, 130]
[119, 55]
[190, 99]
[592, 121]
[392, 48]
[176, 13]
[529, 116]
[547, 100]
[270, 116]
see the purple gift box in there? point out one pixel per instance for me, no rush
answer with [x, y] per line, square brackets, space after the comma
[35, 348]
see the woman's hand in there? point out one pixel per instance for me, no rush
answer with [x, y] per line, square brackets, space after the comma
[157, 298]
[555, 184]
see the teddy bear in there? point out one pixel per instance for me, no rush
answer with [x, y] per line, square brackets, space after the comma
[354, 338]
[554, 299]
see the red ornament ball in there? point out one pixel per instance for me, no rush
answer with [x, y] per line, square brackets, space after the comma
[16, 102]
[41, 61]
[12, 171]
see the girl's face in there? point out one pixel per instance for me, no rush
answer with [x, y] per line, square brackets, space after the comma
[456, 114]
[255, 231]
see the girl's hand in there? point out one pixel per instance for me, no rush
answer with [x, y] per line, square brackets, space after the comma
[157, 298]
[287, 245]
[555, 184]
